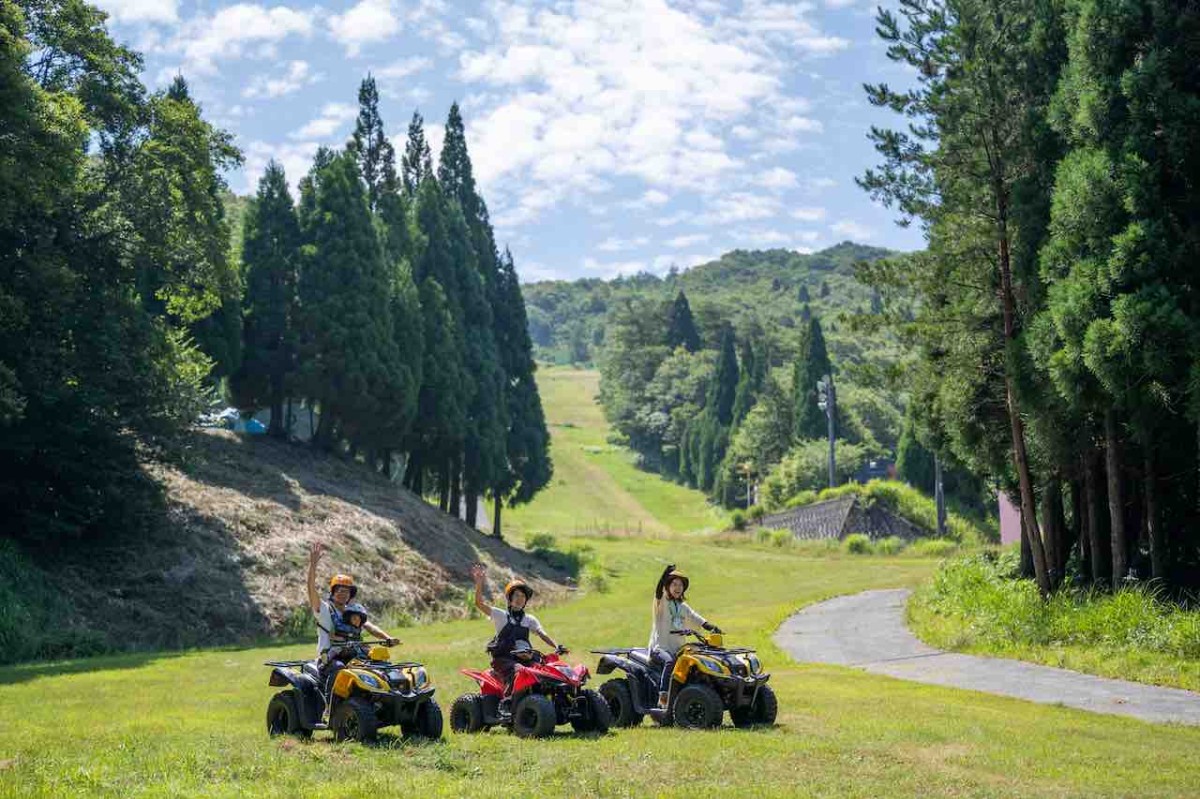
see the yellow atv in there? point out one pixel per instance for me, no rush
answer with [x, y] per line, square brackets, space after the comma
[369, 693]
[706, 680]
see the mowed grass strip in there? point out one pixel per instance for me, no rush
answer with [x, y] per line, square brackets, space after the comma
[596, 486]
[192, 724]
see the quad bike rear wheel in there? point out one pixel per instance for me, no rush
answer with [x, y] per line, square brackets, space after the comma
[283, 716]
[620, 703]
[698, 707]
[534, 716]
[354, 720]
[466, 714]
[761, 711]
[428, 722]
[597, 716]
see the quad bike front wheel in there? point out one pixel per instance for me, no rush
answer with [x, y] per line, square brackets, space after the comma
[596, 716]
[427, 723]
[283, 716]
[534, 717]
[466, 714]
[698, 707]
[620, 703]
[354, 720]
[761, 711]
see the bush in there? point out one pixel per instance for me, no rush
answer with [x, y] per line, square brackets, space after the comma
[595, 577]
[782, 538]
[544, 547]
[806, 466]
[892, 545]
[538, 541]
[756, 513]
[931, 548]
[857, 544]
[738, 520]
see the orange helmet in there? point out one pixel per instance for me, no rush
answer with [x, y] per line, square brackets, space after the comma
[343, 579]
[517, 584]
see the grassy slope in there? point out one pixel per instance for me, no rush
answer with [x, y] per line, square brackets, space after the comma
[191, 725]
[596, 486]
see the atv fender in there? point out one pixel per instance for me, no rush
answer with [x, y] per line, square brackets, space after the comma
[488, 684]
[610, 663]
[312, 705]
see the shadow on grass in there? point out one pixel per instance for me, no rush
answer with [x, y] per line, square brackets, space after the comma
[11, 675]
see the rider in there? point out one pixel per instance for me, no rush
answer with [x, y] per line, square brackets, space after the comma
[340, 622]
[513, 626]
[671, 613]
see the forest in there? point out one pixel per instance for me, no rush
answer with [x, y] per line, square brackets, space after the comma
[131, 303]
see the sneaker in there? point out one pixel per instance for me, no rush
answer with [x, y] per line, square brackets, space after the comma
[662, 699]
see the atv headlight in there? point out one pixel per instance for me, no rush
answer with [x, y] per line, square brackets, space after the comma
[397, 677]
[419, 677]
[755, 666]
[370, 680]
[712, 665]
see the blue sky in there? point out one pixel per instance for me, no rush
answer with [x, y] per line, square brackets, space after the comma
[608, 136]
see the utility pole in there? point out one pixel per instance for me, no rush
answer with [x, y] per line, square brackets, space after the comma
[827, 401]
[939, 495]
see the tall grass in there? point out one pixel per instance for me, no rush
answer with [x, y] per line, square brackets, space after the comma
[976, 603]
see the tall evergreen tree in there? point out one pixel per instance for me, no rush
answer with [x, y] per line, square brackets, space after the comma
[417, 161]
[370, 146]
[271, 254]
[349, 358]
[681, 327]
[812, 363]
[725, 380]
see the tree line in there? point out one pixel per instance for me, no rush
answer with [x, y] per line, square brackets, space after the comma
[380, 298]
[1050, 153]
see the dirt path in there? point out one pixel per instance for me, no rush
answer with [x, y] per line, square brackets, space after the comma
[867, 631]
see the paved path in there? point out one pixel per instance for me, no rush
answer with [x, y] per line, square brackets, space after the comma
[867, 631]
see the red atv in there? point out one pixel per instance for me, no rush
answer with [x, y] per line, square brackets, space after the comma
[546, 692]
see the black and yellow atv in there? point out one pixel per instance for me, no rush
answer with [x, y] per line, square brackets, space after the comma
[369, 693]
[707, 680]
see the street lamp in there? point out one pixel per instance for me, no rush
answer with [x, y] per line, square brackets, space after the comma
[827, 401]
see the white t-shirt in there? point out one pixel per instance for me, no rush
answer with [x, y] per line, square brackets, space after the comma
[500, 619]
[671, 615]
[324, 625]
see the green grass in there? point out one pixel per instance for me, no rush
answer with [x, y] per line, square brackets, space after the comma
[596, 486]
[973, 605]
[192, 724]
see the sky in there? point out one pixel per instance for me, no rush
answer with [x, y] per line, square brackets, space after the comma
[608, 136]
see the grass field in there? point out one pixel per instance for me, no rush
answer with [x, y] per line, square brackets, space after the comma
[596, 487]
[191, 725]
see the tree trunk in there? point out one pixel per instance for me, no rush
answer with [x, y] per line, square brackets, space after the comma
[323, 438]
[1154, 529]
[1079, 527]
[1062, 546]
[496, 518]
[1026, 567]
[456, 481]
[444, 486]
[276, 429]
[1017, 424]
[472, 509]
[1116, 503]
[1091, 486]
[1051, 532]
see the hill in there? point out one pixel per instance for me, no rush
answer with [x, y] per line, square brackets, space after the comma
[767, 288]
[224, 557]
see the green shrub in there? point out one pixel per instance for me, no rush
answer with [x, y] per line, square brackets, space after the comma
[892, 545]
[931, 548]
[763, 535]
[595, 577]
[782, 538]
[738, 520]
[857, 544]
[544, 547]
[536, 541]
[756, 513]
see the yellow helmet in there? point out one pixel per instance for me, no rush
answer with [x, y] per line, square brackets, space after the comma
[343, 579]
[515, 585]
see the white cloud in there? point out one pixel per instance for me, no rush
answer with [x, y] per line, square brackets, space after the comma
[140, 10]
[777, 178]
[295, 158]
[402, 68]
[808, 214]
[800, 124]
[853, 230]
[820, 184]
[588, 91]
[614, 244]
[611, 269]
[680, 242]
[297, 77]
[738, 207]
[202, 42]
[333, 118]
[367, 22]
[655, 197]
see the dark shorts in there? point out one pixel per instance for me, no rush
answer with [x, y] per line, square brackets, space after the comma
[504, 668]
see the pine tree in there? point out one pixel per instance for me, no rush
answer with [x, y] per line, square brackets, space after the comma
[370, 146]
[681, 327]
[271, 253]
[723, 390]
[417, 163]
[812, 363]
[349, 359]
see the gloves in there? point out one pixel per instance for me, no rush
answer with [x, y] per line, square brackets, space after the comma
[658, 589]
[712, 628]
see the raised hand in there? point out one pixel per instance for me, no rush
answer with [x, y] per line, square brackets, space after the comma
[478, 573]
[315, 552]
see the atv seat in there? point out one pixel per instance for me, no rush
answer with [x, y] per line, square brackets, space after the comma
[313, 670]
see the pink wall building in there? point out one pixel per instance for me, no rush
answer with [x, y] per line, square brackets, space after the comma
[1010, 521]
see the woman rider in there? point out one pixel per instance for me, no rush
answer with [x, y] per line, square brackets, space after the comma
[339, 622]
[512, 625]
[671, 613]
